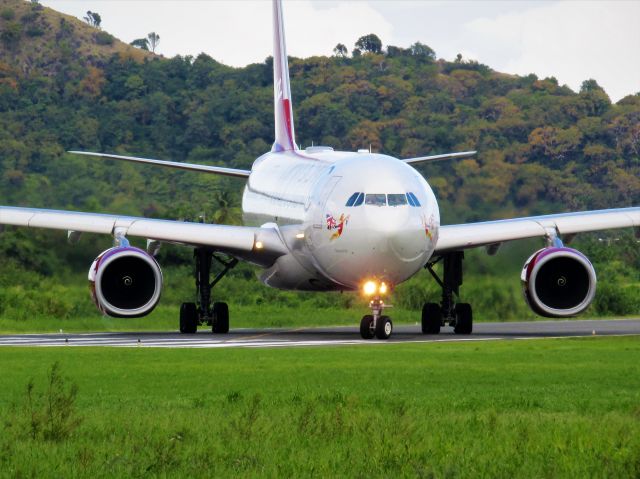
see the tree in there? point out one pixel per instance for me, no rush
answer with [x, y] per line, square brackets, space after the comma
[589, 85]
[93, 19]
[154, 41]
[595, 99]
[369, 43]
[141, 43]
[393, 51]
[421, 50]
[340, 50]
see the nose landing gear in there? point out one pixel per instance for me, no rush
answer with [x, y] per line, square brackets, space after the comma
[376, 324]
[459, 315]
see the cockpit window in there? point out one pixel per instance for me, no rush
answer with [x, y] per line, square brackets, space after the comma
[355, 199]
[397, 199]
[352, 199]
[413, 200]
[376, 199]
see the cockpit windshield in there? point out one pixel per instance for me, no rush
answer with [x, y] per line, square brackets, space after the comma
[381, 199]
[375, 199]
[397, 199]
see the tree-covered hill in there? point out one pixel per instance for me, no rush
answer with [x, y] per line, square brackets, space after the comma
[41, 41]
[64, 85]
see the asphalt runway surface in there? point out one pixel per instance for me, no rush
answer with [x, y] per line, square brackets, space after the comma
[261, 338]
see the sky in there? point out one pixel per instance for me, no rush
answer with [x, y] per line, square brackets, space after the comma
[572, 40]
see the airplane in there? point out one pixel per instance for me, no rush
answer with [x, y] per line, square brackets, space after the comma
[323, 220]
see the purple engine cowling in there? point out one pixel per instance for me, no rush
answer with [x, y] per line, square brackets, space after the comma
[558, 282]
[125, 282]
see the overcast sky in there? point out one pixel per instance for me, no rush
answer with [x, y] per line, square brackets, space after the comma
[571, 40]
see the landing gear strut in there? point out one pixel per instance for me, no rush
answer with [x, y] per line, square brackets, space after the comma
[201, 312]
[376, 324]
[458, 315]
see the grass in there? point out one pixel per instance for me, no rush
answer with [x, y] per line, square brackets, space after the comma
[545, 408]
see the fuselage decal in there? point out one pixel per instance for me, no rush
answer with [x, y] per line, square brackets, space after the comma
[337, 226]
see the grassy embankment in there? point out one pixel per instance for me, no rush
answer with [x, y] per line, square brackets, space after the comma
[552, 408]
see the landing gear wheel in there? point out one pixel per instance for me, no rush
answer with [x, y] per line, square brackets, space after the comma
[384, 327]
[431, 318]
[188, 318]
[220, 318]
[366, 327]
[464, 319]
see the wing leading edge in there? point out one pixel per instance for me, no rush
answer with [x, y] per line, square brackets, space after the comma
[258, 245]
[473, 235]
[216, 170]
[445, 156]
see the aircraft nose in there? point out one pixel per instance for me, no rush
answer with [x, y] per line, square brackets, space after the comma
[400, 234]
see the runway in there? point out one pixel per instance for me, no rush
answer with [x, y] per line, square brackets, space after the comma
[272, 338]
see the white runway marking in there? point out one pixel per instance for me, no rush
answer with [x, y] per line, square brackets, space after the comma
[339, 336]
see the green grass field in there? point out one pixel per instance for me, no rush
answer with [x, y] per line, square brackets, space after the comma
[537, 408]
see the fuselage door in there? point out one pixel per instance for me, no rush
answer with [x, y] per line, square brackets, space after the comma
[320, 201]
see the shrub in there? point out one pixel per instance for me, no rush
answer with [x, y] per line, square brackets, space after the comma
[11, 34]
[8, 14]
[51, 415]
[103, 38]
[34, 31]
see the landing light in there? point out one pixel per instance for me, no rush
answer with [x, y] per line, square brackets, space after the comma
[300, 236]
[372, 287]
[259, 245]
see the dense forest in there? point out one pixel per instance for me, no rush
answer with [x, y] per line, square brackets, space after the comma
[65, 84]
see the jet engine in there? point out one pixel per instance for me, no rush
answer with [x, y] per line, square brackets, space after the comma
[125, 282]
[558, 282]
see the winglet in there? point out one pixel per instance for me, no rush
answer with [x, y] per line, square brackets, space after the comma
[285, 138]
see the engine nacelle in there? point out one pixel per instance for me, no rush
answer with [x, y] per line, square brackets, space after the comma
[125, 282]
[558, 282]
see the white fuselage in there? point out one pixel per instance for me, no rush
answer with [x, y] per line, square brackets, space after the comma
[387, 234]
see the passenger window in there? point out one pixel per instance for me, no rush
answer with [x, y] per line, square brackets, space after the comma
[352, 199]
[414, 198]
[359, 200]
[397, 200]
[376, 199]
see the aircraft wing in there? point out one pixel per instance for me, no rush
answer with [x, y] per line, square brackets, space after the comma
[445, 156]
[259, 245]
[473, 235]
[216, 170]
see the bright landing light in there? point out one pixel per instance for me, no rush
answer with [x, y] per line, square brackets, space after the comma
[370, 288]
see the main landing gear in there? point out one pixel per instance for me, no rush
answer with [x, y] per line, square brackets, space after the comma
[376, 324]
[458, 315]
[201, 312]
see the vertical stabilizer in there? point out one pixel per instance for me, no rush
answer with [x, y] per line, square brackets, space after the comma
[285, 135]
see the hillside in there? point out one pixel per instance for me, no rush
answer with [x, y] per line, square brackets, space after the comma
[39, 38]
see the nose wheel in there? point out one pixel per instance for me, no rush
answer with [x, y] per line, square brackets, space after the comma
[376, 324]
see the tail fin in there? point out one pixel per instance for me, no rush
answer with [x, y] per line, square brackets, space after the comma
[285, 135]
